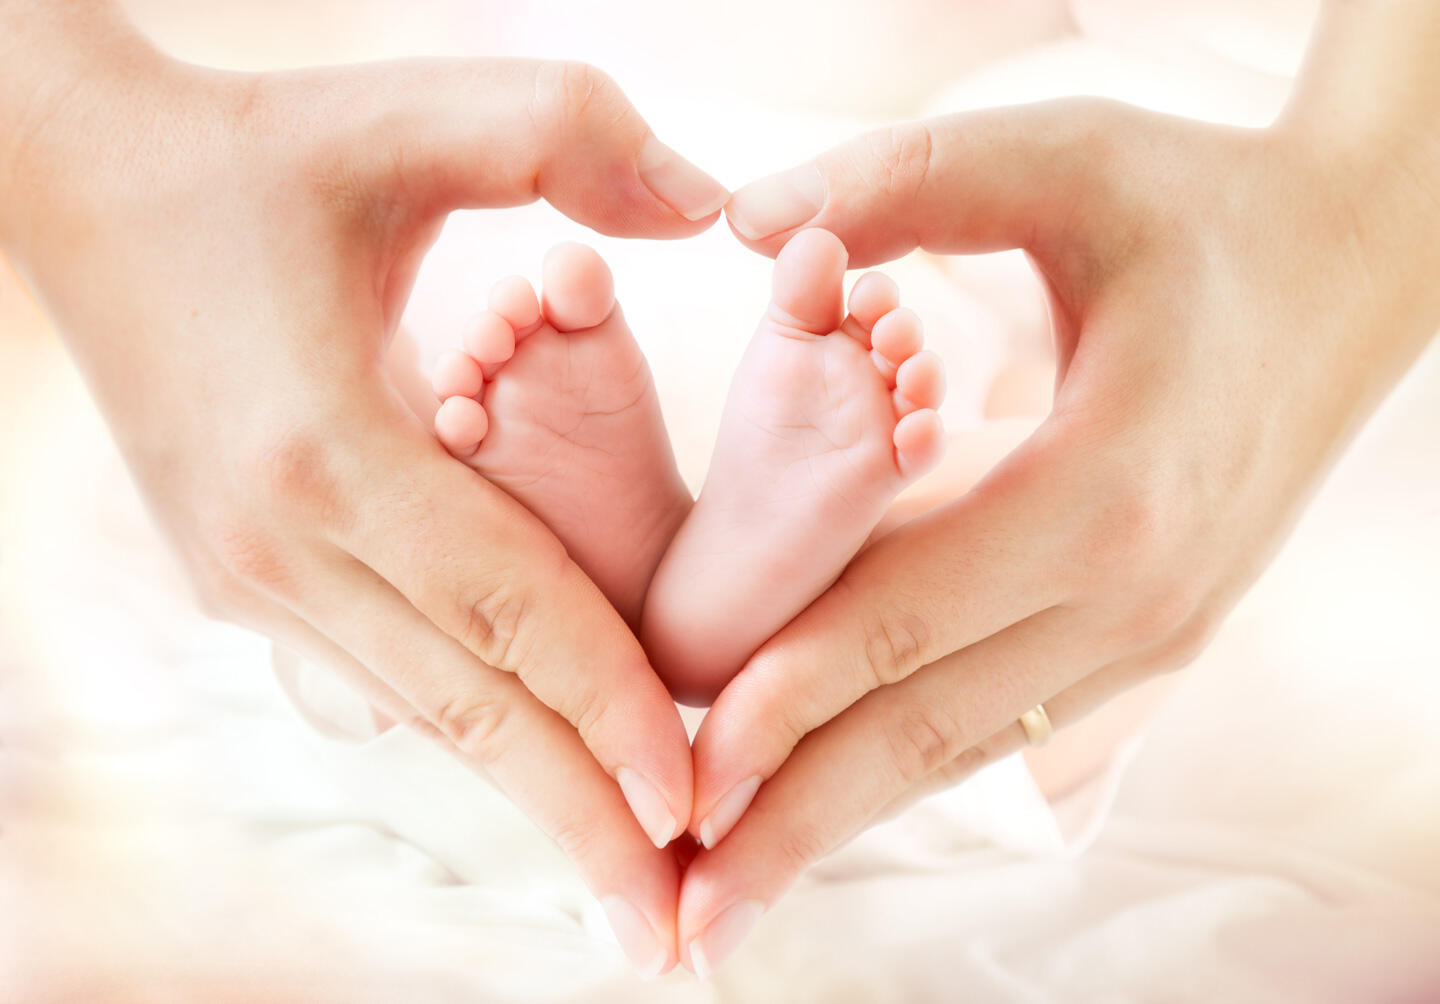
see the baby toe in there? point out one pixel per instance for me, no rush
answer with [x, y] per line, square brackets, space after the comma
[808, 283]
[919, 442]
[874, 295]
[579, 289]
[460, 425]
[513, 298]
[457, 375]
[491, 339]
[919, 383]
[896, 337]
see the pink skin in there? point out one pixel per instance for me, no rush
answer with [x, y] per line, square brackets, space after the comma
[555, 404]
[829, 417]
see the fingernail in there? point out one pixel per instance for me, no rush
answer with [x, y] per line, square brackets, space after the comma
[648, 805]
[727, 811]
[678, 183]
[637, 939]
[780, 202]
[723, 936]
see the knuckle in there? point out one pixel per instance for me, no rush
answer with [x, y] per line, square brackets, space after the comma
[801, 846]
[492, 622]
[576, 835]
[475, 724]
[894, 646]
[497, 616]
[245, 554]
[427, 729]
[922, 740]
[898, 158]
[568, 92]
[294, 470]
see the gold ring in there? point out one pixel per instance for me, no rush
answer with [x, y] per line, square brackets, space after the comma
[1036, 724]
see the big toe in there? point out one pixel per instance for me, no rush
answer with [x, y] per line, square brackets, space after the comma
[579, 289]
[809, 280]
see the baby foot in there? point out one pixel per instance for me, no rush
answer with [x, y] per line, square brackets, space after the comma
[826, 421]
[555, 404]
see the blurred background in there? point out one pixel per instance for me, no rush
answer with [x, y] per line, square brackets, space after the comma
[171, 829]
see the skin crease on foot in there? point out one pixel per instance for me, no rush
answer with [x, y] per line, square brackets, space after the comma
[829, 416]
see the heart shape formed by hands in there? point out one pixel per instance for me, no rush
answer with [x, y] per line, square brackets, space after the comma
[829, 416]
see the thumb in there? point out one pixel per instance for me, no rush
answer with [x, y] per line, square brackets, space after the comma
[470, 134]
[967, 183]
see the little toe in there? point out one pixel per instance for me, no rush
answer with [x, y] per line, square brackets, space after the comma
[919, 442]
[491, 339]
[457, 375]
[513, 298]
[808, 283]
[579, 289]
[919, 383]
[460, 425]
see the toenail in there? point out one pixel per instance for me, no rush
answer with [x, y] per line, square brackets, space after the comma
[777, 203]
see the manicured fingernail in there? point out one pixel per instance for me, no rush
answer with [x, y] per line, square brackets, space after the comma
[678, 183]
[727, 811]
[637, 939]
[780, 202]
[648, 805]
[723, 936]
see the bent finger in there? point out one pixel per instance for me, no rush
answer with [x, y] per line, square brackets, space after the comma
[938, 584]
[490, 576]
[843, 774]
[530, 753]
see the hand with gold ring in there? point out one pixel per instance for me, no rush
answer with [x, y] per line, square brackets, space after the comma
[1229, 306]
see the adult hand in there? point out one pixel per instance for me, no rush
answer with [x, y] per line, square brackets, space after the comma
[227, 255]
[1229, 306]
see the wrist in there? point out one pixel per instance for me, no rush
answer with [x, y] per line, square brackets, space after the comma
[77, 82]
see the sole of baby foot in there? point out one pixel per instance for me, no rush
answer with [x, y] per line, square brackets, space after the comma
[829, 416]
[552, 400]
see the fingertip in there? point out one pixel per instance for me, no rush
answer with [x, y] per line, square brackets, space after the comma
[777, 204]
[679, 184]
